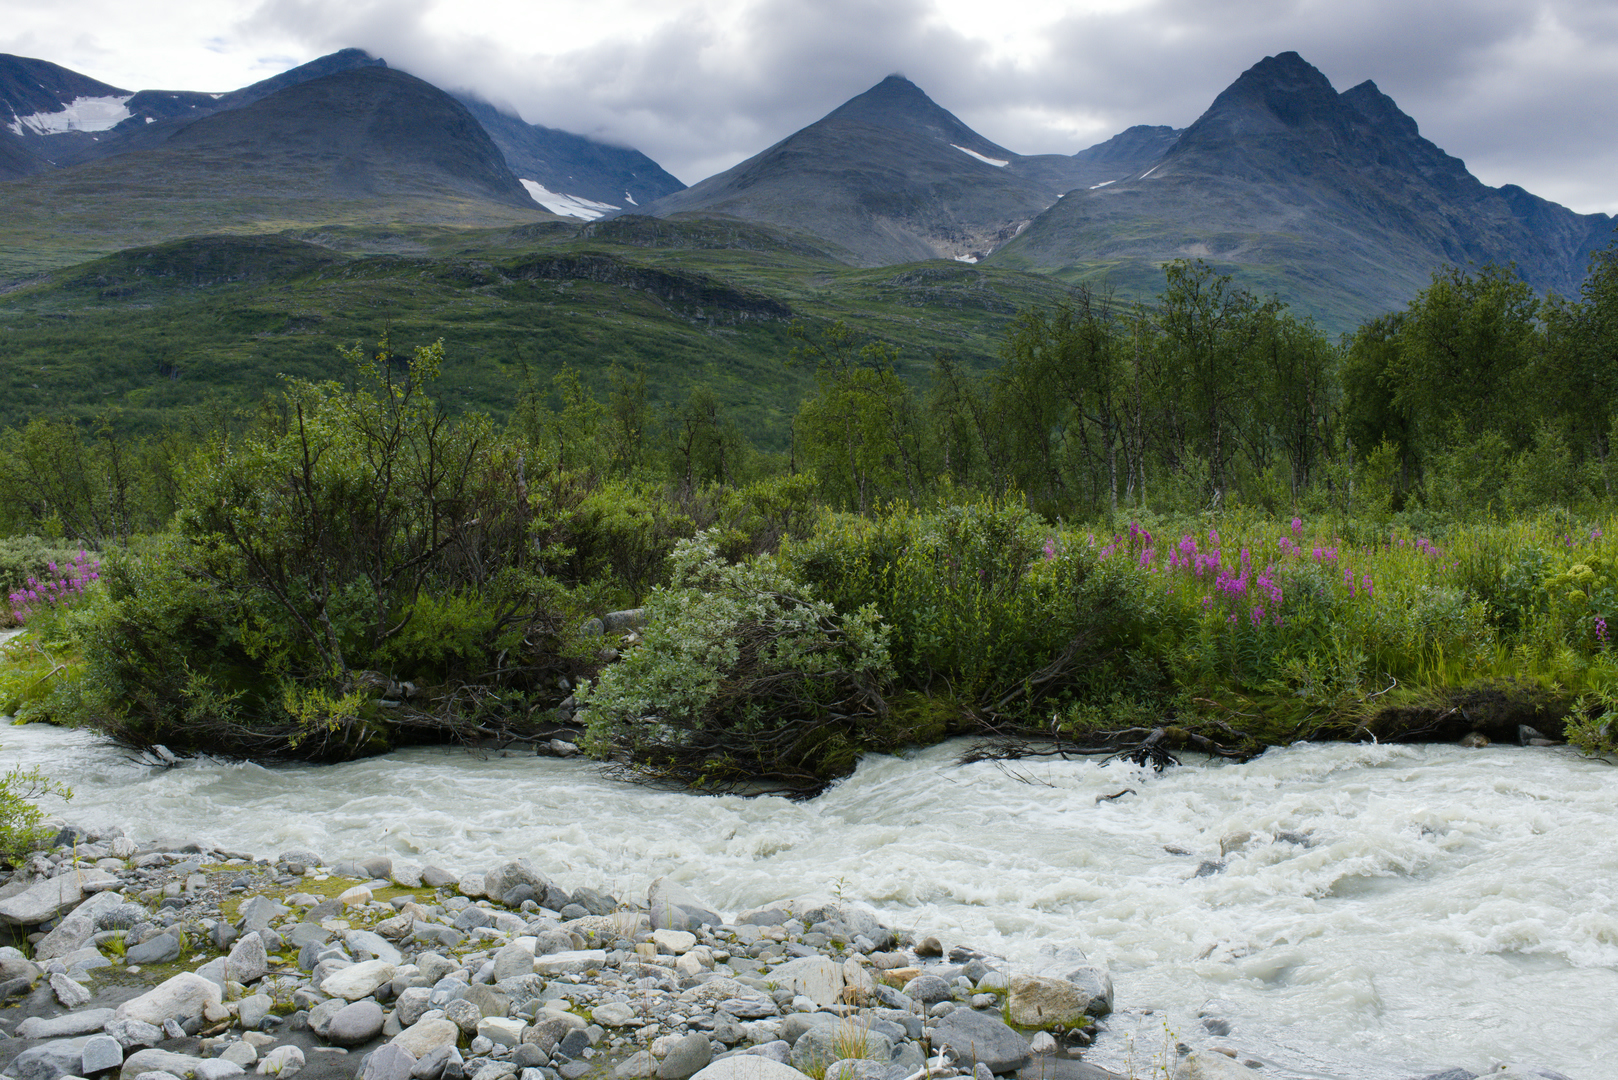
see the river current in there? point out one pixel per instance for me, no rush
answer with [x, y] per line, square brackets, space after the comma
[1430, 906]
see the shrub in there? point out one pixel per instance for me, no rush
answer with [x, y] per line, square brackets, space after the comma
[21, 830]
[742, 675]
[987, 604]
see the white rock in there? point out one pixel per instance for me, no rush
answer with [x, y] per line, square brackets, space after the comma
[282, 1061]
[573, 960]
[240, 1053]
[358, 980]
[674, 942]
[748, 1067]
[815, 977]
[427, 1034]
[359, 894]
[185, 994]
[613, 1014]
[501, 1030]
[54, 896]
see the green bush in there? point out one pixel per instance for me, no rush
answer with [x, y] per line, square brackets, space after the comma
[743, 676]
[21, 830]
[987, 604]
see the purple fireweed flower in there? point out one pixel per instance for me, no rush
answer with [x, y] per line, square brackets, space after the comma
[1601, 630]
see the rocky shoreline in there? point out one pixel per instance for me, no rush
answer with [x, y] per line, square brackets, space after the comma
[173, 961]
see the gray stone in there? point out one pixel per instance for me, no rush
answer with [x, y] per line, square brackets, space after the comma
[377, 866]
[569, 962]
[369, 945]
[927, 989]
[355, 1023]
[435, 877]
[1037, 1001]
[101, 1052]
[389, 1061]
[86, 1022]
[618, 622]
[686, 1057]
[53, 897]
[358, 980]
[427, 1034]
[614, 1014]
[819, 1047]
[183, 995]
[252, 1010]
[70, 935]
[464, 1014]
[975, 1037]
[857, 1069]
[157, 950]
[514, 960]
[748, 1067]
[750, 1008]
[1096, 983]
[508, 875]
[672, 906]
[501, 1030]
[1060, 1068]
[131, 1033]
[431, 1067]
[412, 1003]
[71, 994]
[793, 1027]
[248, 961]
[47, 1061]
[259, 912]
[487, 1000]
[320, 1015]
[180, 1065]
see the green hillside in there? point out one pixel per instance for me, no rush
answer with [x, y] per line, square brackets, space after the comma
[212, 321]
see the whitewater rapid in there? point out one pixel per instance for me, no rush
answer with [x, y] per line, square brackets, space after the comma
[1447, 906]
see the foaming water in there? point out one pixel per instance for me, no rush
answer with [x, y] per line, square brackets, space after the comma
[1426, 906]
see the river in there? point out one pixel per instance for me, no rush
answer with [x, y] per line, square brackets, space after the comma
[1446, 906]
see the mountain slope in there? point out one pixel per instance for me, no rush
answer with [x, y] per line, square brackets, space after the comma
[55, 117]
[890, 177]
[44, 106]
[1333, 201]
[369, 146]
[578, 170]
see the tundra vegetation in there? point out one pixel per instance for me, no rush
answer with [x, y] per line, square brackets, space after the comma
[1197, 523]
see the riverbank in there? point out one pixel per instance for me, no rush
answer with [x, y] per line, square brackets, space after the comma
[207, 963]
[1440, 912]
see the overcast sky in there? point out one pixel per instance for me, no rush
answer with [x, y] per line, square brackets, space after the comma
[1525, 92]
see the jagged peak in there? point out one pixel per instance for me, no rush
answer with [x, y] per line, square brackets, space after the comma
[1380, 109]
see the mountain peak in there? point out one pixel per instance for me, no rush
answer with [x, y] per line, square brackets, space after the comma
[900, 104]
[1281, 98]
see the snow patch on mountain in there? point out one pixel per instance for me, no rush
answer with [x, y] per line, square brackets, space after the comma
[631, 199]
[996, 162]
[1104, 183]
[84, 114]
[567, 205]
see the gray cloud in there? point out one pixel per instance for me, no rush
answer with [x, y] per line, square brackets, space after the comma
[1526, 91]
